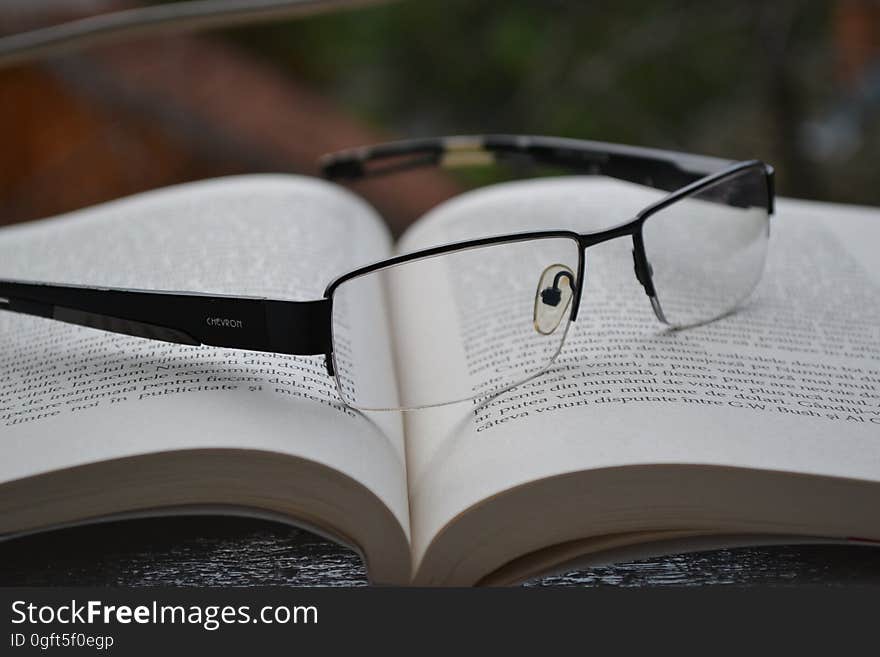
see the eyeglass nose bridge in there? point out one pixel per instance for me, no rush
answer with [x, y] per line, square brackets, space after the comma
[631, 229]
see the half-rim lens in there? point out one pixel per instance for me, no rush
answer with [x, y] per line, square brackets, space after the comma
[706, 251]
[466, 323]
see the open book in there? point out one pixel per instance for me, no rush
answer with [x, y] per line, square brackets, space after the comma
[763, 426]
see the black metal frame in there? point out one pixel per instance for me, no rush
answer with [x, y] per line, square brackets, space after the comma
[305, 327]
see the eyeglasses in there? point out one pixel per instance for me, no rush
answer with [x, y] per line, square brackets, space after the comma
[698, 252]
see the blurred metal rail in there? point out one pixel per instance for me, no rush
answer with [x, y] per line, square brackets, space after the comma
[143, 21]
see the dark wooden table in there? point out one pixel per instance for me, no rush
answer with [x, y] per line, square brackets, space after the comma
[238, 552]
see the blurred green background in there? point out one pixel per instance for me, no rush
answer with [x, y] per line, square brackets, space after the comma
[796, 84]
[771, 80]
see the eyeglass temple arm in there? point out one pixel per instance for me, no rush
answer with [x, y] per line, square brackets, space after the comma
[287, 327]
[666, 170]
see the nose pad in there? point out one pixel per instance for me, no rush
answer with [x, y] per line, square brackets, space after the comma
[644, 274]
[553, 298]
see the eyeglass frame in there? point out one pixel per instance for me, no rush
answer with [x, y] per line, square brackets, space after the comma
[305, 327]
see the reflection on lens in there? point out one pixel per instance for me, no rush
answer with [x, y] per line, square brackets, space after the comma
[706, 252]
[463, 322]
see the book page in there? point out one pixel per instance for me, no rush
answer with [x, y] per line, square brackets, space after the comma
[71, 395]
[790, 382]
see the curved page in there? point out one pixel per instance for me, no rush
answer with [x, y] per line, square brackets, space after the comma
[73, 397]
[789, 383]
